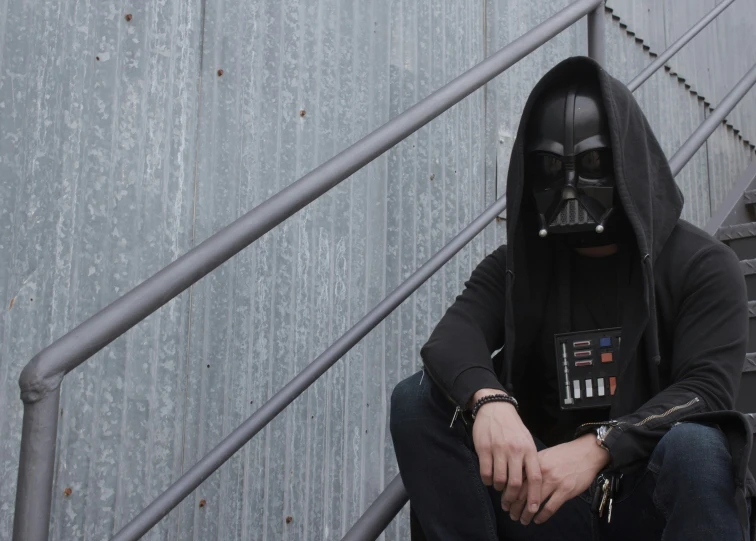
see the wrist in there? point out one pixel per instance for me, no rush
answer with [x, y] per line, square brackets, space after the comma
[488, 399]
[481, 394]
[595, 453]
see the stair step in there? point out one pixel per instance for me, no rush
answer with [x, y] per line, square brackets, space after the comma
[750, 363]
[741, 238]
[749, 271]
[746, 403]
[749, 196]
[735, 232]
[748, 266]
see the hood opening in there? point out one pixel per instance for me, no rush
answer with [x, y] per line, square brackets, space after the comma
[648, 196]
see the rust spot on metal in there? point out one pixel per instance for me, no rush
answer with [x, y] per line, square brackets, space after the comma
[11, 303]
[128, 17]
[67, 491]
[220, 73]
[289, 519]
[302, 113]
[203, 503]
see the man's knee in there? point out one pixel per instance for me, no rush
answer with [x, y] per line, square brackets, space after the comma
[413, 410]
[694, 455]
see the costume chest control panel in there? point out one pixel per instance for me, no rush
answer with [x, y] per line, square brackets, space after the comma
[587, 367]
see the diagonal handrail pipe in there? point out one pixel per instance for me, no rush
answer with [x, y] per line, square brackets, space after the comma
[40, 380]
[381, 512]
[388, 504]
[708, 126]
[641, 78]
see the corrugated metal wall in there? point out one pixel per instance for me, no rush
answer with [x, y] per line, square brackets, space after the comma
[125, 142]
[714, 60]
[98, 130]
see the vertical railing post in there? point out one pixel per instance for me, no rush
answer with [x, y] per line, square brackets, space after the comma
[36, 468]
[596, 37]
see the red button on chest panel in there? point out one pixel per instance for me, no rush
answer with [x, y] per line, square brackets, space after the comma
[581, 354]
[607, 357]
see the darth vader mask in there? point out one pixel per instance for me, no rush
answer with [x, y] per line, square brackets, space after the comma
[569, 167]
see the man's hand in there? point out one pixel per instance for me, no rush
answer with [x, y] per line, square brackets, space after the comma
[567, 470]
[505, 447]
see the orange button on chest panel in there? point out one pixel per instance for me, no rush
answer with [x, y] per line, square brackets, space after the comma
[607, 357]
[612, 385]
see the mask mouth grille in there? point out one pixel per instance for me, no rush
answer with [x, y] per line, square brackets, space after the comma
[572, 213]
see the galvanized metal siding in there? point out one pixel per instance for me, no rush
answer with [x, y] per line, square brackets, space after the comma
[300, 82]
[714, 60]
[123, 143]
[98, 118]
[674, 110]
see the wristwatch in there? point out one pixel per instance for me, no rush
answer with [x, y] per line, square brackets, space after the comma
[601, 433]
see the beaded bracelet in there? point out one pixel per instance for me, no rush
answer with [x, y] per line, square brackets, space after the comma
[494, 398]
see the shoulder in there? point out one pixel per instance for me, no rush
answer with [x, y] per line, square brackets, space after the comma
[690, 251]
[498, 256]
[690, 244]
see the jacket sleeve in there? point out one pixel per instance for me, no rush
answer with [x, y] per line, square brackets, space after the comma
[458, 353]
[709, 347]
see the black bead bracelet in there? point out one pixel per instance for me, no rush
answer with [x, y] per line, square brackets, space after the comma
[494, 398]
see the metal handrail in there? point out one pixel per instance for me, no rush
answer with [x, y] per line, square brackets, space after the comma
[677, 45]
[41, 378]
[381, 512]
[716, 117]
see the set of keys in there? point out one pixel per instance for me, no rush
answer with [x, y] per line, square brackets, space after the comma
[607, 487]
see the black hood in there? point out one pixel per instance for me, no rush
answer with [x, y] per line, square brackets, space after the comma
[647, 193]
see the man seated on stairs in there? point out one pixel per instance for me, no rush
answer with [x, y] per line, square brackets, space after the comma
[607, 413]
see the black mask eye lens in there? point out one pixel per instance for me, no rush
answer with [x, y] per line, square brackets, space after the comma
[545, 169]
[595, 164]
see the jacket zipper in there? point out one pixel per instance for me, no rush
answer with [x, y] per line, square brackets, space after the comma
[458, 409]
[670, 411]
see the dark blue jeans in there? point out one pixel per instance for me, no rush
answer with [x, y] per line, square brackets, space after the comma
[687, 492]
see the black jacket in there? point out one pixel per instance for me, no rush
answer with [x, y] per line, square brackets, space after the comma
[685, 318]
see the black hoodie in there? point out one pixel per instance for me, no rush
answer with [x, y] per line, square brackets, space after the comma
[685, 319]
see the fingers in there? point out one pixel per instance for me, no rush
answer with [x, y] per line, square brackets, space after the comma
[486, 466]
[534, 485]
[514, 482]
[515, 510]
[500, 477]
[551, 507]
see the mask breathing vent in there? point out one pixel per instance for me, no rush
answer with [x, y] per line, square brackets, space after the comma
[572, 213]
